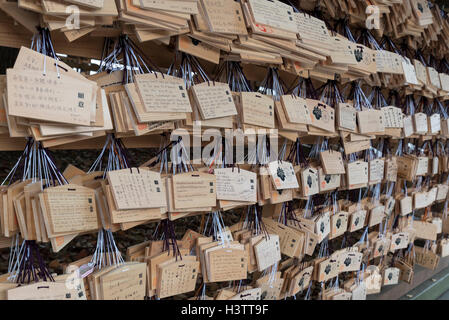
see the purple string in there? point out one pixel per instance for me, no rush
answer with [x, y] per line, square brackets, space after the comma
[168, 230]
[32, 267]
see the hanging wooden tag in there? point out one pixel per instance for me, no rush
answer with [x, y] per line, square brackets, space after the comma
[359, 291]
[283, 175]
[349, 261]
[442, 192]
[425, 230]
[225, 235]
[301, 280]
[365, 58]
[389, 203]
[309, 181]
[434, 123]
[273, 13]
[353, 146]
[443, 248]
[227, 264]
[342, 53]
[189, 7]
[405, 205]
[311, 29]
[381, 247]
[327, 269]
[96, 4]
[311, 242]
[19, 206]
[370, 121]
[332, 162]
[444, 80]
[266, 30]
[162, 93]
[443, 163]
[426, 258]
[406, 273]
[10, 222]
[295, 109]
[270, 289]
[265, 183]
[343, 295]
[133, 215]
[393, 117]
[399, 241]
[376, 171]
[434, 77]
[432, 195]
[198, 48]
[177, 276]
[338, 224]
[388, 62]
[291, 240]
[136, 189]
[214, 100]
[421, 72]
[356, 174]
[409, 128]
[422, 168]
[194, 190]
[356, 220]
[279, 196]
[328, 182]
[434, 167]
[322, 116]
[30, 191]
[322, 226]
[141, 112]
[420, 123]
[236, 184]
[43, 291]
[29, 59]
[68, 99]
[391, 170]
[376, 215]
[409, 72]
[224, 17]
[126, 282]
[252, 262]
[407, 166]
[250, 294]
[391, 276]
[257, 109]
[267, 251]
[346, 117]
[69, 208]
